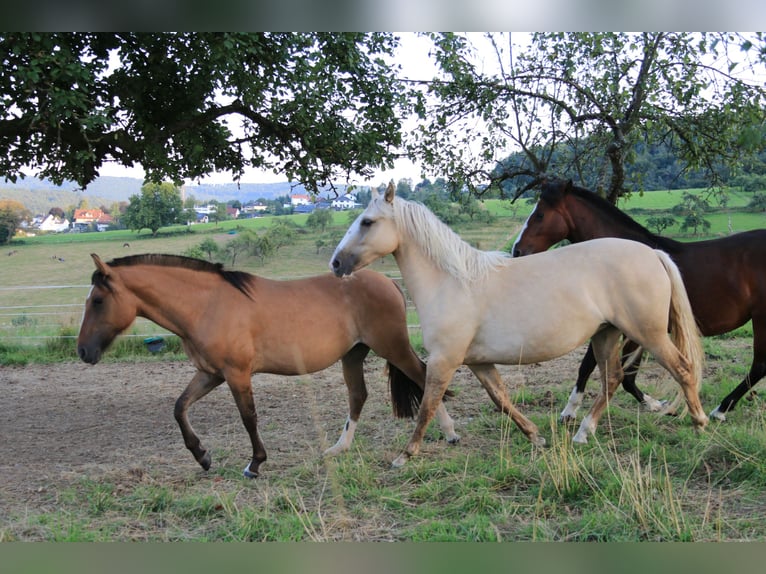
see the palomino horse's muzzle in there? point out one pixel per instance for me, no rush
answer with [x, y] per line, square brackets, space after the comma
[342, 265]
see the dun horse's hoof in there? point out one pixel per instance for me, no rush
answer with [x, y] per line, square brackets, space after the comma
[400, 460]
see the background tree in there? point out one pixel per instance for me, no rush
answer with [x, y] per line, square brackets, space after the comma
[312, 106]
[660, 222]
[12, 213]
[573, 100]
[209, 247]
[158, 205]
[319, 218]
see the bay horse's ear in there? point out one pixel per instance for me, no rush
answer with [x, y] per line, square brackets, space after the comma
[390, 192]
[100, 265]
[568, 186]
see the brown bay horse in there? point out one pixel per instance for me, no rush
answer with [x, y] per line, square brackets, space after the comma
[725, 278]
[233, 324]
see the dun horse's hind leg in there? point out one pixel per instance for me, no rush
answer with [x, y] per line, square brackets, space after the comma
[756, 373]
[200, 385]
[492, 382]
[353, 374]
[606, 350]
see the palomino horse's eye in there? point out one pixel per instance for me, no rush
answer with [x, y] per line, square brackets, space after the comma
[366, 222]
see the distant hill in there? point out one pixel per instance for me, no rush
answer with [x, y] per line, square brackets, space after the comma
[39, 196]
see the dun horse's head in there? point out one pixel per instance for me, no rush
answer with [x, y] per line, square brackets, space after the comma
[109, 310]
[372, 235]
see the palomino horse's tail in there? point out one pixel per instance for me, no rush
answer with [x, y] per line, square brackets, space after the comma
[684, 331]
[406, 394]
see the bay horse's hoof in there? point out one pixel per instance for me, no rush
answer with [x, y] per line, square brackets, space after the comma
[718, 415]
[247, 473]
[205, 461]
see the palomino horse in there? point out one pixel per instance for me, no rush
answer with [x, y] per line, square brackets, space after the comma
[479, 308]
[725, 278]
[233, 324]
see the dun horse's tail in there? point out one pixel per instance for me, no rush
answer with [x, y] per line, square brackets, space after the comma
[684, 331]
[406, 394]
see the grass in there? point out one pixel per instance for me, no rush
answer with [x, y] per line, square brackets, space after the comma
[642, 478]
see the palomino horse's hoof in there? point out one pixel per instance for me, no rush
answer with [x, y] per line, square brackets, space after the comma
[453, 439]
[247, 473]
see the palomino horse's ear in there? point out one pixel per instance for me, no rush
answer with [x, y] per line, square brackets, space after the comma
[390, 192]
[100, 265]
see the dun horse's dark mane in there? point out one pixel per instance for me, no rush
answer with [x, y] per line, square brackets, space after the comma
[239, 279]
[612, 212]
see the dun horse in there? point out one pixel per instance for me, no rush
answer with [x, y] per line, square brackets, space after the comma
[481, 308]
[233, 324]
[725, 278]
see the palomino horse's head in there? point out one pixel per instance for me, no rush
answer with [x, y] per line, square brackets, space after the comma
[372, 235]
[548, 222]
[109, 310]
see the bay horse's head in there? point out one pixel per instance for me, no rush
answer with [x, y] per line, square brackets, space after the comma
[373, 235]
[109, 310]
[548, 223]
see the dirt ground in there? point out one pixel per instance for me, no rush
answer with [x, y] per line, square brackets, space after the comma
[62, 423]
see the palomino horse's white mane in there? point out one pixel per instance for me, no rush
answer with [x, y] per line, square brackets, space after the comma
[442, 246]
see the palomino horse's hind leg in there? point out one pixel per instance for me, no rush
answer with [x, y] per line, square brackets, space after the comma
[353, 374]
[492, 382]
[200, 385]
[606, 349]
[242, 390]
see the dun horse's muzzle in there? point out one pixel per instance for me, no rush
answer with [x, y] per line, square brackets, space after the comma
[90, 356]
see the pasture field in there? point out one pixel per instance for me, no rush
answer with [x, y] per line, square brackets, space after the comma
[92, 453]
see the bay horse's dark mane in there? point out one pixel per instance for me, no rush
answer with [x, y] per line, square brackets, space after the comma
[610, 211]
[239, 279]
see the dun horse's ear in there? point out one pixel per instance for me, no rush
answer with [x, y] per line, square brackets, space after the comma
[100, 265]
[390, 192]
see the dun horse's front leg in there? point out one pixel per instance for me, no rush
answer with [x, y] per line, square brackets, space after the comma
[200, 385]
[242, 391]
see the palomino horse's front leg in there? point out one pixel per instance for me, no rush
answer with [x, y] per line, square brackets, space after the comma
[438, 376]
[200, 385]
[492, 382]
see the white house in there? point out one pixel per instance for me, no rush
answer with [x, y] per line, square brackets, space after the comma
[54, 223]
[347, 201]
[300, 199]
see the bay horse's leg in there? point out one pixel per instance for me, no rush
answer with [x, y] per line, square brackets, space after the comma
[201, 384]
[242, 391]
[756, 373]
[492, 382]
[439, 373]
[587, 365]
[353, 375]
[606, 350]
